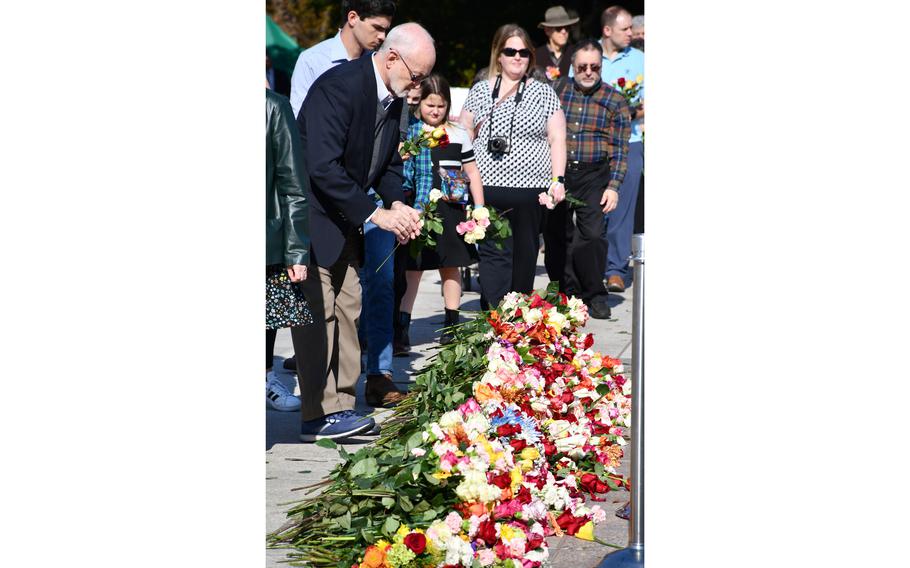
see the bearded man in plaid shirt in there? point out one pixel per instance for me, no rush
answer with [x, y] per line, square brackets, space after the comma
[598, 124]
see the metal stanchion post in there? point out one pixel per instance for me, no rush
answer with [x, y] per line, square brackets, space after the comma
[634, 554]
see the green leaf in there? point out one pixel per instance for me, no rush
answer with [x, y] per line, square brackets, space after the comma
[391, 525]
[388, 502]
[406, 504]
[414, 441]
[366, 467]
[429, 515]
[432, 480]
[344, 521]
[325, 443]
[599, 470]
[415, 471]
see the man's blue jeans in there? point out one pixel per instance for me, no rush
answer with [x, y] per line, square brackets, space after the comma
[618, 224]
[378, 298]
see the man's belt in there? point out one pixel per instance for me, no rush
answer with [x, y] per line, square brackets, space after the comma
[576, 165]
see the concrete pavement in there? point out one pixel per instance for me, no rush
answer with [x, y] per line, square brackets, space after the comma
[292, 464]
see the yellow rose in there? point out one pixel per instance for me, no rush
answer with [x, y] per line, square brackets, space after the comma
[432, 142]
[439, 133]
[639, 78]
[530, 453]
[586, 532]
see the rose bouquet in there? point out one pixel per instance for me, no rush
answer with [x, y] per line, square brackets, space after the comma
[428, 137]
[629, 89]
[479, 221]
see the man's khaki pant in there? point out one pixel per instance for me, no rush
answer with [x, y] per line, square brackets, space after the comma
[329, 369]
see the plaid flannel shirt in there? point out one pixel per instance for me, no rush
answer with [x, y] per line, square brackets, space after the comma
[418, 170]
[598, 125]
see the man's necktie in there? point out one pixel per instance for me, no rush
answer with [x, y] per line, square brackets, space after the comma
[387, 102]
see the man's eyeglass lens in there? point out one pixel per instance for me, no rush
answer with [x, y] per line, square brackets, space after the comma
[582, 68]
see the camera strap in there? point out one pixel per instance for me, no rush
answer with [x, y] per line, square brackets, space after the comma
[521, 87]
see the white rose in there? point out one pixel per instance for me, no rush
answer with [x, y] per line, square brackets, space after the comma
[557, 320]
[435, 194]
[478, 233]
[480, 213]
[532, 315]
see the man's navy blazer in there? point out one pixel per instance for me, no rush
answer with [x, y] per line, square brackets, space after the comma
[337, 122]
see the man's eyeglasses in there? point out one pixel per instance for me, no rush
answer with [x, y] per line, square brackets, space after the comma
[584, 67]
[559, 28]
[511, 51]
[415, 78]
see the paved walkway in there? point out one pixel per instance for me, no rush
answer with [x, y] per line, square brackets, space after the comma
[291, 464]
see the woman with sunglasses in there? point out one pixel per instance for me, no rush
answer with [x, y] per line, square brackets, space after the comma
[553, 57]
[519, 139]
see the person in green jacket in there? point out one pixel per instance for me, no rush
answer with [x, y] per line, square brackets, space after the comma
[287, 240]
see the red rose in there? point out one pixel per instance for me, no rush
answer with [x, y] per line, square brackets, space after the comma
[534, 541]
[570, 523]
[517, 445]
[524, 495]
[621, 82]
[486, 531]
[416, 542]
[508, 429]
[502, 480]
[589, 341]
[549, 448]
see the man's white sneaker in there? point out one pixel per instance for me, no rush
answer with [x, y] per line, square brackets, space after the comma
[278, 396]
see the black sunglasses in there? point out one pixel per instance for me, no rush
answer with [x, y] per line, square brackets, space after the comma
[511, 51]
[584, 67]
[414, 77]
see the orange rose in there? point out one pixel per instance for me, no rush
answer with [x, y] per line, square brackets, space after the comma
[373, 557]
[484, 392]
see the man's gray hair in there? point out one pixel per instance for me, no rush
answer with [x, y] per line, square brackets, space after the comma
[638, 22]
[406, 38]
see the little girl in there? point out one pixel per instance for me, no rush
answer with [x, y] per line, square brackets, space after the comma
[446, 168]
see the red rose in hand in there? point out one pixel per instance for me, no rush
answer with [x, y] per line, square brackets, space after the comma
[621, 82]
[416, 542]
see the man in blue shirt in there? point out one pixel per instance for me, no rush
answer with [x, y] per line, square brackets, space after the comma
[620, 60]
[363, 29]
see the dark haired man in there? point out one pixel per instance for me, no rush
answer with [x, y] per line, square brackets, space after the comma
[363, 26]
[597, 143]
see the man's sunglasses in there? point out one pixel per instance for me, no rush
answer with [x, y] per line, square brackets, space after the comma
[584, 67]
[511, 51]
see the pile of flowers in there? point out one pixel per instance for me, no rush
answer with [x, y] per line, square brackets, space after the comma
[506, 434]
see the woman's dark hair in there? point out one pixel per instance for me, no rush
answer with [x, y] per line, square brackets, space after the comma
[367, 9]
[436, 84]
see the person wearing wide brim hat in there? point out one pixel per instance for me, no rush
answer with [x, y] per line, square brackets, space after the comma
[553, 58]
